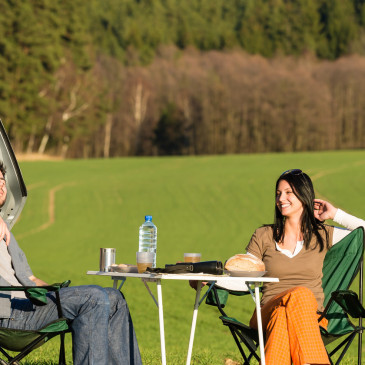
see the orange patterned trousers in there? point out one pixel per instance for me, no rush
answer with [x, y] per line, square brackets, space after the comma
[290, 321]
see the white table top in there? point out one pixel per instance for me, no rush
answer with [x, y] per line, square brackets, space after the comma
[201, 276]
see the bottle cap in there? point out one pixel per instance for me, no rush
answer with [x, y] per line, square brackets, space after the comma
[148, 218]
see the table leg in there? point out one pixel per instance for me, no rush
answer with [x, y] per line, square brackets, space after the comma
[193, 324]
[115, 282]
[259, 324]
[162, 328]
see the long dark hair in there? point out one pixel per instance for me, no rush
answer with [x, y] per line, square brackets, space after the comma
[302, 187]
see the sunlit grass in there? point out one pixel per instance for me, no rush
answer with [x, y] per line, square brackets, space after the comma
[205, 204]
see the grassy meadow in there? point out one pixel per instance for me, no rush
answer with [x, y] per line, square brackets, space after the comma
[203, 204]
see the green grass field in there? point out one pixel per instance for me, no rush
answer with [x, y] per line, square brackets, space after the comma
[201, 204]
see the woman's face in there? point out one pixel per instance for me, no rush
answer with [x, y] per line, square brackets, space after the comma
[286, 201]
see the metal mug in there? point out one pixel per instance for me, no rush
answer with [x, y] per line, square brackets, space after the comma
[107, 258]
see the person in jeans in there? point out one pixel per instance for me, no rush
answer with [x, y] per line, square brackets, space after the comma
[101, 325]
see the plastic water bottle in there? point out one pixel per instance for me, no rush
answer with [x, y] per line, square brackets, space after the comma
[148, 237]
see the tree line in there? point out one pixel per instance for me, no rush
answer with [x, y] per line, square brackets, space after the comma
[168, 77]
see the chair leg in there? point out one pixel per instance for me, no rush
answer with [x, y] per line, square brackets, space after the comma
[346, 344]
[3, 362]
[249, 347]
[359, 354]
[351, 338]
[6, 355]
[10, 359]
[62, 357]
[239, 347]
[331, 362]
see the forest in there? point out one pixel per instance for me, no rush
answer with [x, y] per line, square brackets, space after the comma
[107, 78]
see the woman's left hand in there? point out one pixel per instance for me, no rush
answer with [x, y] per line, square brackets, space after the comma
[324, 210]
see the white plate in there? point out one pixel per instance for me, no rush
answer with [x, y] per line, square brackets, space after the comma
[249, 274]
[124, 268]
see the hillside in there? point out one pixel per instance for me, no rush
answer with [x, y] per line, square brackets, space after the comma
[121, 78]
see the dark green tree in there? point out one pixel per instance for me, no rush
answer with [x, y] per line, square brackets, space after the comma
[339, 28]
[171, 132]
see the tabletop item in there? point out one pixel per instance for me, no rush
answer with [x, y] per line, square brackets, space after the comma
[144, 260]
[244, 262]
[107, 258]
[205, 267]
[148, 237]
[192, 257]
[124, 268]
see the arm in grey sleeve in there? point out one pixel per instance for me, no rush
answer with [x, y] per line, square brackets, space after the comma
[3, 282]
[19, 259]
[348, 221]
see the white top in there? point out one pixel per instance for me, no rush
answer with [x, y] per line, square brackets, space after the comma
[288, 253]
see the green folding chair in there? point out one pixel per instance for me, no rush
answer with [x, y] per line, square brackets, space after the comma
[25, 341]
[341, 265]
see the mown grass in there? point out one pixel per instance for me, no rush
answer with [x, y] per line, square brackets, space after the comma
[200, 204]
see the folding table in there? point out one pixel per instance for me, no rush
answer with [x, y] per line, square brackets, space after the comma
[211, 279]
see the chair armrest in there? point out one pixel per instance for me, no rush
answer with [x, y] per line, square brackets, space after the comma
[217, 297]
[349, 302]
[37, 294]
[52, 287]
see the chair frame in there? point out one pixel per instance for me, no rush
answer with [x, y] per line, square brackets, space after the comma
[43, 336]
[239, 332]
[345, 344]
[32, 346]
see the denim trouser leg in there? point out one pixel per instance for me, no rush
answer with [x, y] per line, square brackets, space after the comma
[88, 307]
[102, 331]
[122, 338]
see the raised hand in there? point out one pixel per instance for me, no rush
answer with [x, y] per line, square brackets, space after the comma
[324, 210]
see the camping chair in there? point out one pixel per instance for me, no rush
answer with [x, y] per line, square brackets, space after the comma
[25, 341]
[341, 265]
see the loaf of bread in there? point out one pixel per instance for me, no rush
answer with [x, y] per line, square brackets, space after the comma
[244, 262]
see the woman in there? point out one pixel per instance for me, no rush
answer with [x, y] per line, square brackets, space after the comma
[293, 249]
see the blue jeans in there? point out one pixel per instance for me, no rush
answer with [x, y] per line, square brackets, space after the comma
[102, 329]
